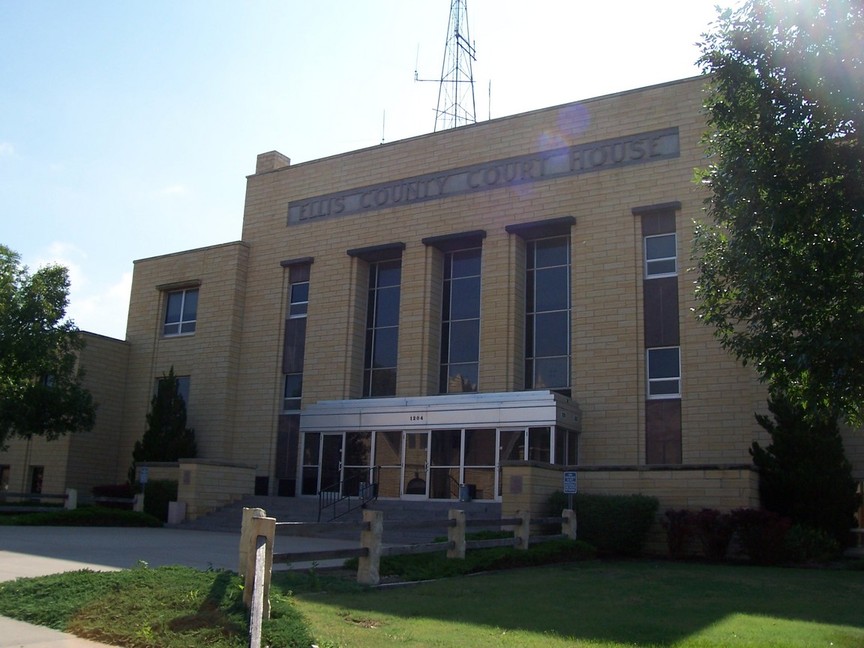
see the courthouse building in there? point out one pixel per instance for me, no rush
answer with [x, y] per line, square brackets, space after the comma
[477, 309]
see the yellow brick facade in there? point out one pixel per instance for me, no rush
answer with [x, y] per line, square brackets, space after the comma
[234, 358]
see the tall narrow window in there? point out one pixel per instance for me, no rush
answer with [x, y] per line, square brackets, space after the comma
[547, 314]
[382, 328]
[661, 339]
[295, 333]
[460, 322]
[181, 312]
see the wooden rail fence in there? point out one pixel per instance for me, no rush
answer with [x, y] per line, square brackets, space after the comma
[258, 536]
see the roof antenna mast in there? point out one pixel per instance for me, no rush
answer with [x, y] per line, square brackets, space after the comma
[456, 105]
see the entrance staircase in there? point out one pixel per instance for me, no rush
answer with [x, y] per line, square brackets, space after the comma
[305, 509]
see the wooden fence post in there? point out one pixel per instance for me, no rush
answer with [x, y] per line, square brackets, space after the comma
[71, 501]
[260, 527]
[568, 525]
[368, 566]
[522, 533]
[245, 530]
[259, 599]
[456, 534]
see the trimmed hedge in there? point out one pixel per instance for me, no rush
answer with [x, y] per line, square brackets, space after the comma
[614, 524]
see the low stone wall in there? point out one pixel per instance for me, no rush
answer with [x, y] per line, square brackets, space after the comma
[206, 485]
[527, 485]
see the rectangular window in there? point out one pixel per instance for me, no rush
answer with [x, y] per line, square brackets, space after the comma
[181, 312]
[460, 322]
[664, 372]
[299, 305]
[293, 391]
[661, 257]
[547, 314]
[382, 328]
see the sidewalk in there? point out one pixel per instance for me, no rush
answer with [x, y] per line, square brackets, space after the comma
[26, 552]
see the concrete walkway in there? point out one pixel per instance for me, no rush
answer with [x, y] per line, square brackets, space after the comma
[26, 552]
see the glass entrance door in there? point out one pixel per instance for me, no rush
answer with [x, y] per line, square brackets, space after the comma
[331, 462]
[415, 470]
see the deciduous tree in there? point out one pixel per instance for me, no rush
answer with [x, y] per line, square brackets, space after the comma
[781, 264]
[40, 381]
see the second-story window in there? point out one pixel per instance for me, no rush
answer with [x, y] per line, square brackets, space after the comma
[460, 322]
[181, 312]
[382, 328]
[547, 314]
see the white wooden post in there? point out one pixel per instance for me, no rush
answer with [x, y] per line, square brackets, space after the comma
[456, 534]
[259, 600]
[260, 527]
[71, 502]
[368, 566]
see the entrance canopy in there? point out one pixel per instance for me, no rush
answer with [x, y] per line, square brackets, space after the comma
[506, 409]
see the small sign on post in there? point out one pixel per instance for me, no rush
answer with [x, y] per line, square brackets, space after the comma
[570, 486]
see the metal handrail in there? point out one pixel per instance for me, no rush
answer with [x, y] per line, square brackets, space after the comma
[332, 496]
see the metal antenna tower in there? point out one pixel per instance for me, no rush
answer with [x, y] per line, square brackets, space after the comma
[456, 106]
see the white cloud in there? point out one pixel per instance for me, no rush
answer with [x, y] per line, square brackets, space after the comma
[102, 309]
[6, 149]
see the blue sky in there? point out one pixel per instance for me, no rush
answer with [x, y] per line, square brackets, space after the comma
[127, 128]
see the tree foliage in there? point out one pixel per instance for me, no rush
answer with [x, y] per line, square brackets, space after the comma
[804, 474]
[40, 382]
[781, 264]
[166, 438]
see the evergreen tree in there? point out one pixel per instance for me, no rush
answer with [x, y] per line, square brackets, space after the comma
[167, 438]
[804, 473]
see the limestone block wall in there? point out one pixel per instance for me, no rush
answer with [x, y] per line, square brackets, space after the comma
[528, 485]
[208, 485]
[210, 357]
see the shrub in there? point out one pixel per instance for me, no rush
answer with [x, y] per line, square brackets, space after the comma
[714, 531]
[762, 535]
[679, 531]
[157, 494]
[436, 565]
[615, 524]
[805, 544]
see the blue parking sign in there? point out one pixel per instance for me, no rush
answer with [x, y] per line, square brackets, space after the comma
[569, 482]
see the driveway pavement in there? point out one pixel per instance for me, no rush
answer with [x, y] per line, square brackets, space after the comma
[37, 551]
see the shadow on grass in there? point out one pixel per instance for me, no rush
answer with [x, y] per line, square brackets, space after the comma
[638, 603]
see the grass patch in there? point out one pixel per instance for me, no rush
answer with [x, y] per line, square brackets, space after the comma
[90, 516]
[166, 607]
[601, 605]
[587, 604]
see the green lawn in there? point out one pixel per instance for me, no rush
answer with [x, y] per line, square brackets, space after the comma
[602, 604]
[591, 603]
